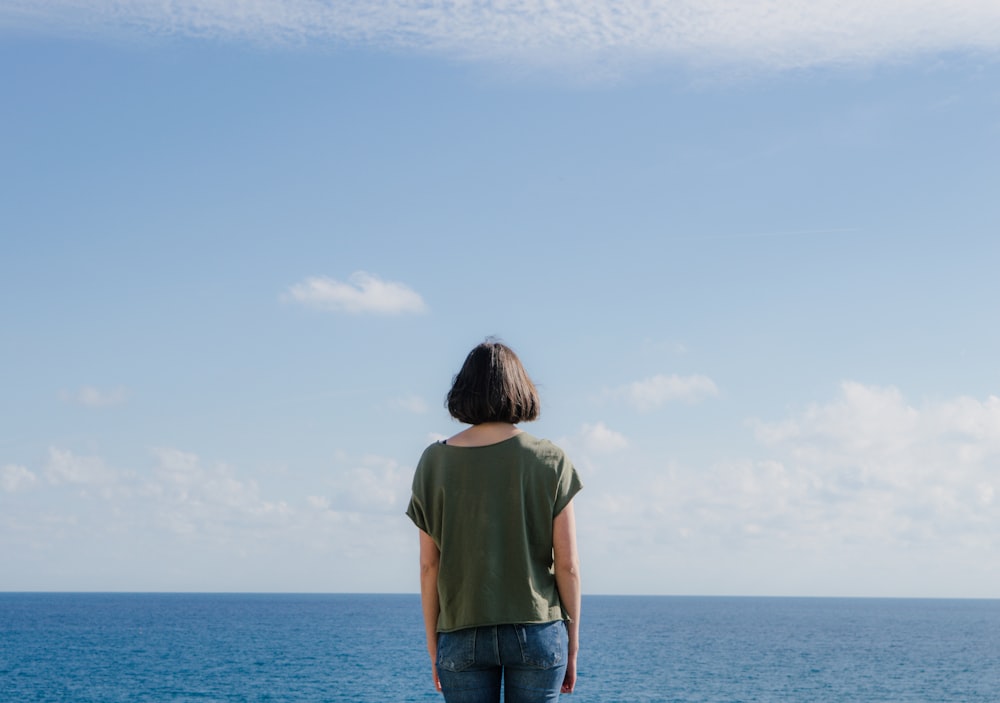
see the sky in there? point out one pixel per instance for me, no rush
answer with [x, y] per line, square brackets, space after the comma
[747, 250]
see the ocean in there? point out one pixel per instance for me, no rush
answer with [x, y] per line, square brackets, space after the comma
[215, 648]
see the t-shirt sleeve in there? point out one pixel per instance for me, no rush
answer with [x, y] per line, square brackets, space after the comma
[417, 509]
[569, 484]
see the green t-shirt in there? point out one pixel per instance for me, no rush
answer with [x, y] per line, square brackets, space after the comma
[490, 510]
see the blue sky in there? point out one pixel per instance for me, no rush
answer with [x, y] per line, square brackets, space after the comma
[748, 252]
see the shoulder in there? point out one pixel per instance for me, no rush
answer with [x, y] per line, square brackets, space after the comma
[433, 449]
[432, 454]
[544, 449]
[431, 457]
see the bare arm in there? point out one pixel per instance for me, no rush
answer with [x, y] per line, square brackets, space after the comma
[567, 569]
[430, 559]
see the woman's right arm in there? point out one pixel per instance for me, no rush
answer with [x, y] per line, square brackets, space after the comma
[567, 569]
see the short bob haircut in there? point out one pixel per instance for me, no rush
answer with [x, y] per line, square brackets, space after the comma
[493, 387]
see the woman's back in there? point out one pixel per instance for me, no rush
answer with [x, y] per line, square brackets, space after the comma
[490, 511]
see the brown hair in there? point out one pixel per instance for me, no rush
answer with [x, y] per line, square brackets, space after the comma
[492, 387]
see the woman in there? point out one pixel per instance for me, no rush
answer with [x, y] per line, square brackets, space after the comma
[499, 571]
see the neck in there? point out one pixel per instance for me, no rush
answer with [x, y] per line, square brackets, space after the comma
[484, 433]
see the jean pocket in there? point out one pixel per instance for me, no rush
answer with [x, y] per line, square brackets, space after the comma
[456, 650]
[543, 646]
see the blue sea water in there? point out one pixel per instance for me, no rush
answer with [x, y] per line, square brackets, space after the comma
[186, 648]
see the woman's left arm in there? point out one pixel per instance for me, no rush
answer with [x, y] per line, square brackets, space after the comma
[430, 561]
[567, 571]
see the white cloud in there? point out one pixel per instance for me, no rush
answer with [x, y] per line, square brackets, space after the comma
[92, 397]
[878, 423]
[599, 438]
[378, 484]
[363, 293]
[594, 449]
[858, 495]
[651, 393]
[878, 467]
[15, 478]
[409, 403]
[193, 497]
[771, 33]
[183, 523]
[65, 467]
[318, 502]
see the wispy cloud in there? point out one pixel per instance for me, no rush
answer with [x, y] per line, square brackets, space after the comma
[92, 397]
[224, 528]
[883, 468]
[363, 293]
[409, 403]
[15, 478]
[65, 467]
[594, 448]
[866, 467]
[600, 438]
[834, 496]
[653, 392]
[195, 497]
[375, 484]
[767, 33]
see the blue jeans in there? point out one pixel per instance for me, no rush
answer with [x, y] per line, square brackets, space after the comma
[531, 660]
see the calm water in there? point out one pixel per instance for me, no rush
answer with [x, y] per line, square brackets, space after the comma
[369, 648]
